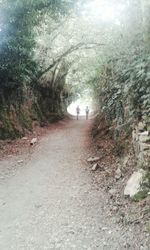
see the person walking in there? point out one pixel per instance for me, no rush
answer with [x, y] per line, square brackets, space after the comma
[77, 111]
[87, 112]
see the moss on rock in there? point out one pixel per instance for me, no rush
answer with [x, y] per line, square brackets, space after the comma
[145, 188]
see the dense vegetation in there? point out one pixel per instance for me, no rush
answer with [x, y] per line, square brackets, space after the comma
[19, 71]
[55, 51]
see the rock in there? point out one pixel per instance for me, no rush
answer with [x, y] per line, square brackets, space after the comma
[144, 146]
[141, 247]
[141, 126]
[118, 174]
[112, 191]
[33, 141]
[125, 161]
[134, 135]
[24, 138]
[145, 133]
[93, 159]
[95, 167]
[104, 228]
[134, 183]
[144, 137]
[20, 161]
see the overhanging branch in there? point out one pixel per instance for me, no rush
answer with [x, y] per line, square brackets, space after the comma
[76, 47]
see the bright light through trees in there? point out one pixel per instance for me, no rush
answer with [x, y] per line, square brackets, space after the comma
[82, 103]
[109, 23]
[67, 47]
[105, 11]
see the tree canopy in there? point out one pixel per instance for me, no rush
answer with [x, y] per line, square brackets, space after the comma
[97, 46]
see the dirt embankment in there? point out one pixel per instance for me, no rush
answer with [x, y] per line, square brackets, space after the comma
[117, 163]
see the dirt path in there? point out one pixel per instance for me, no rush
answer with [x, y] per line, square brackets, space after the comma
[51, 202]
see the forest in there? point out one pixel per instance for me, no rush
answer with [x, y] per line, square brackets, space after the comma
[53, 52]
[74, 182]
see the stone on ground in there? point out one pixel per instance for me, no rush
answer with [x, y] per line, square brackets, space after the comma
[95, 167]
[93, 159]
[134, 183]
[112, 191]
[33, 141]
[118, 174]
[24, 138]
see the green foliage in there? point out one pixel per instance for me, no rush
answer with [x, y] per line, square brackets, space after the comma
[16, 45]
[18, 19]
[148, 227]
[18, 68]
[140, 196]
[145, 188]
[117, 73]
[125, 91]
[7, 129]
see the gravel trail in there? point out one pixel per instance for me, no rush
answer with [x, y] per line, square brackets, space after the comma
[51, 201]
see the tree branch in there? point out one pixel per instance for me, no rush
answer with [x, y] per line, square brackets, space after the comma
[78, 46]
